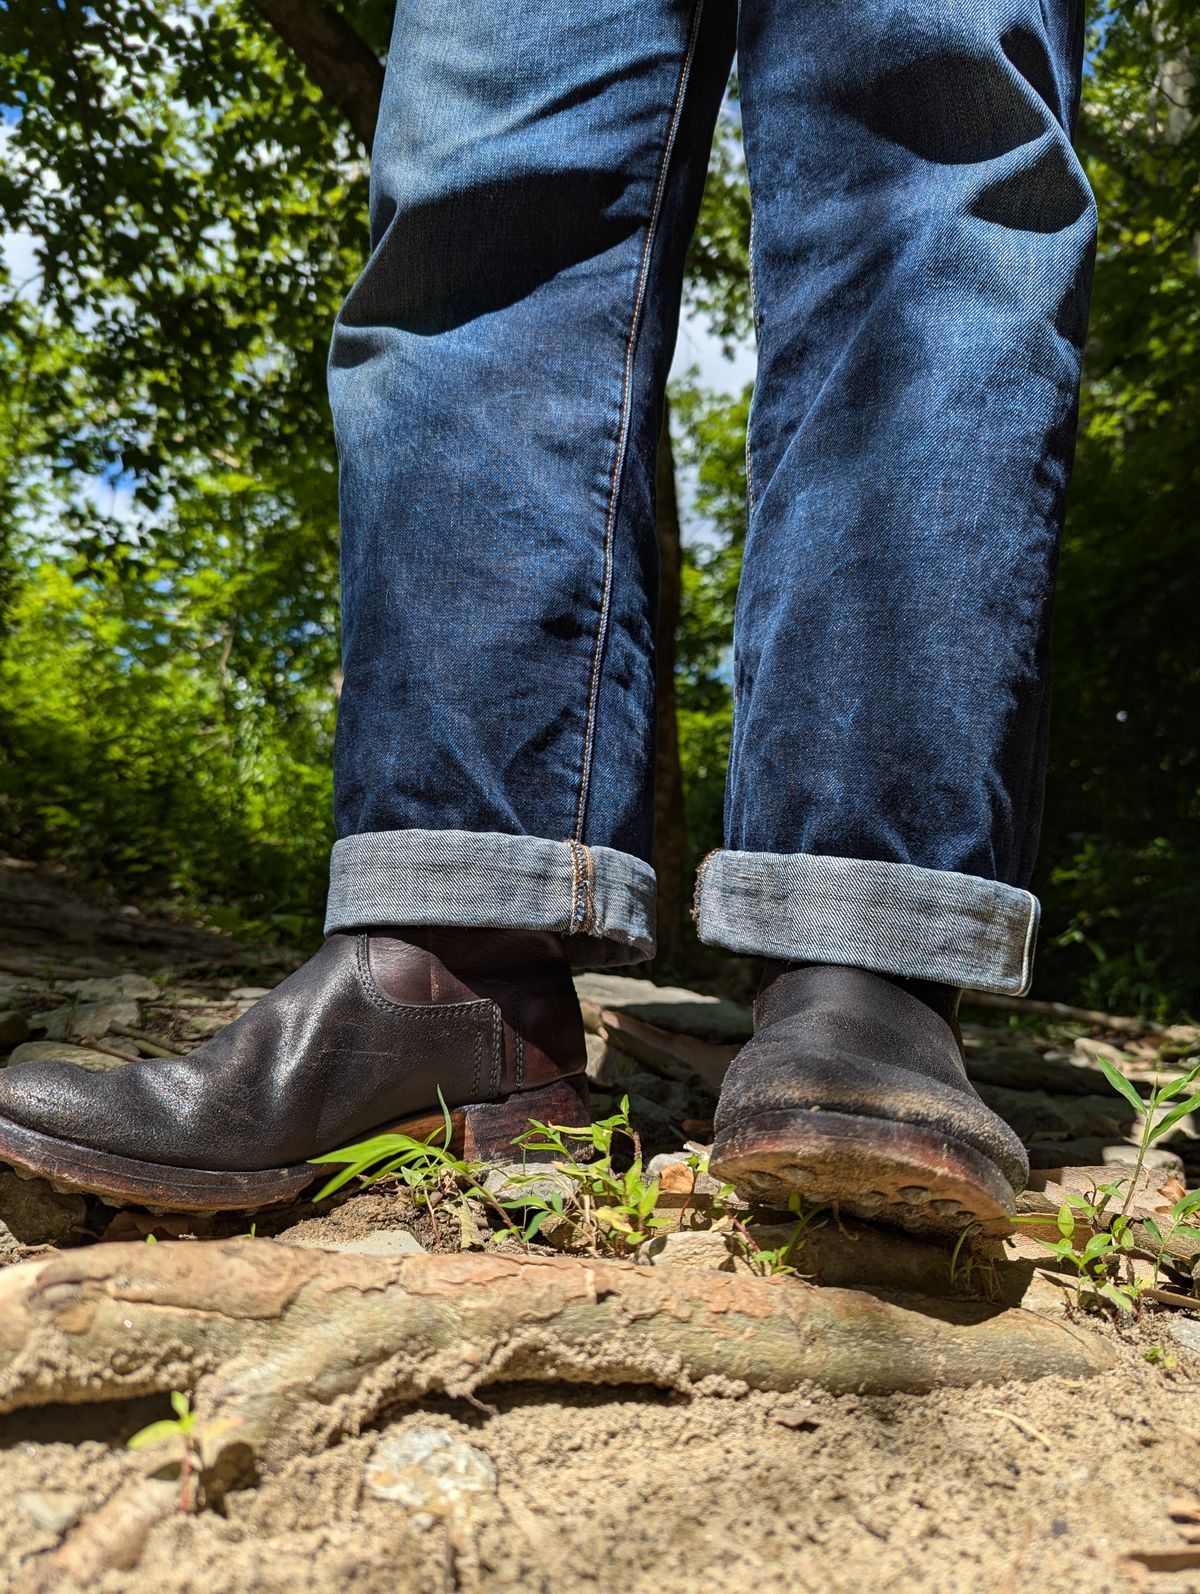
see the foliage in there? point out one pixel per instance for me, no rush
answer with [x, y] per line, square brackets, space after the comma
[192, 215]
[605, 1210]
[185, 212]
[1108, 1242]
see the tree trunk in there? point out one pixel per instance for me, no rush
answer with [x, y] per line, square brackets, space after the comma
[670, 830]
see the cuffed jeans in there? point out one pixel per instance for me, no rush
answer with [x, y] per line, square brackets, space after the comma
[921, 248]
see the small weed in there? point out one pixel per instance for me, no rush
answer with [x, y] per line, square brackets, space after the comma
[1176, 1227]
[608, 1211]
[1105, 1254]
[432, 1173]
[181, 1427]
[971, 1272]
[777, 1262]
[1158, 1357]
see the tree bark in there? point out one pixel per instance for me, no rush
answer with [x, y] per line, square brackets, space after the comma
[670, 829]
[335, 56]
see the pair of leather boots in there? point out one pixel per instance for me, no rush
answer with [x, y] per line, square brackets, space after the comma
[852, 1090]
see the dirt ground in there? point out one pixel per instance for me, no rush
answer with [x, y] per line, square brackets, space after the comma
[1057, 1484]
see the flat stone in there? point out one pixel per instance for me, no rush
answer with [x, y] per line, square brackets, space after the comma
[698, 1250]
[1111, 1154]
[607, 1065]
[383, 1242]
[13, 1028]
[676, 1177]
[429, 1472]
[1185, 1331]
[63, 1051]
[667, 1007]
[31, 1213]
[249, 993]
[1035, 1115]
[87, 1020]
[531, 1180]
[118, 987]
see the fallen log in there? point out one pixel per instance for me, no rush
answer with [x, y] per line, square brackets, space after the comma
[1114, 1022]
[300, 1346]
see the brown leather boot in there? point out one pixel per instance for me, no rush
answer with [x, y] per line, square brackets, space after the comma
[853, 1093]
[359, 1040]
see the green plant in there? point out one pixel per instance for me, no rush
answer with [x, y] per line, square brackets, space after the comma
[967, 1264]
[181, 1432]
[181, 1429]
[1107, 1249]
[1177, 1227]
[608, 1210]
[776, 1262]
[432, 1172]
[1157, 1356]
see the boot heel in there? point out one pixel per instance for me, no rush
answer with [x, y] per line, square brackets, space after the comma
[490, 1127]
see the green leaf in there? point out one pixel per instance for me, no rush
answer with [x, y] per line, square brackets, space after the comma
[1180, 1110]
[180, 1404]
[156, 1434]
[1122, 1086]
[1066, 1221]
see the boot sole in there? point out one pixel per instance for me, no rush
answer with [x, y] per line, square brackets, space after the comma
[479, 1131]
[872, 1168]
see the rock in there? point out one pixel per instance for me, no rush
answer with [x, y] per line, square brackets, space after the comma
[607, 1065]
[52, 1510]
[249, 993]
[681, 1057]
[383, 1242]
[31, 1213]
[1037, 1116]
[699, 1248]
[677, 1178]
[88, 1020]
[532, 1180]
[63, 1051]
[1185, 1331]
[134, 987]
[1112, 1154]
[13, 1028]
[666, 1006]
[430, 1472]
[1093, 1050]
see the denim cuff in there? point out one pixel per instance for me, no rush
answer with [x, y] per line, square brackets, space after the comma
[601, 900]
[894, 918]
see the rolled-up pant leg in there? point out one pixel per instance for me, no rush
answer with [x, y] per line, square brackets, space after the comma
[922, 245]
[496, 379]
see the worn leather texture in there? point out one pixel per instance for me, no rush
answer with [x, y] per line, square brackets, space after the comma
[847, 1041]
[365, 1033]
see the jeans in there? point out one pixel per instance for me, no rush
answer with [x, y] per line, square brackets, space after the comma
[922, 245]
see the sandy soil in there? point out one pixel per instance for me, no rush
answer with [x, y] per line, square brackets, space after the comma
[1041, 1486]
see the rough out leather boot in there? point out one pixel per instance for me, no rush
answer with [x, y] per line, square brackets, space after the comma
[853, 1092]
[357, 1041]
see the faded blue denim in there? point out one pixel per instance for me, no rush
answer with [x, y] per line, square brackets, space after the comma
[922, 245]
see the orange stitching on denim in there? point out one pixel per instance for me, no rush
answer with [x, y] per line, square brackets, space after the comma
[623, 427]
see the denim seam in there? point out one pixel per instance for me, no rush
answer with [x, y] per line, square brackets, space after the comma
[586, 894]
[754, 319]
[624, 415]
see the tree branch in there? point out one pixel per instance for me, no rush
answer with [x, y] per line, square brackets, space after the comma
[335, 56]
